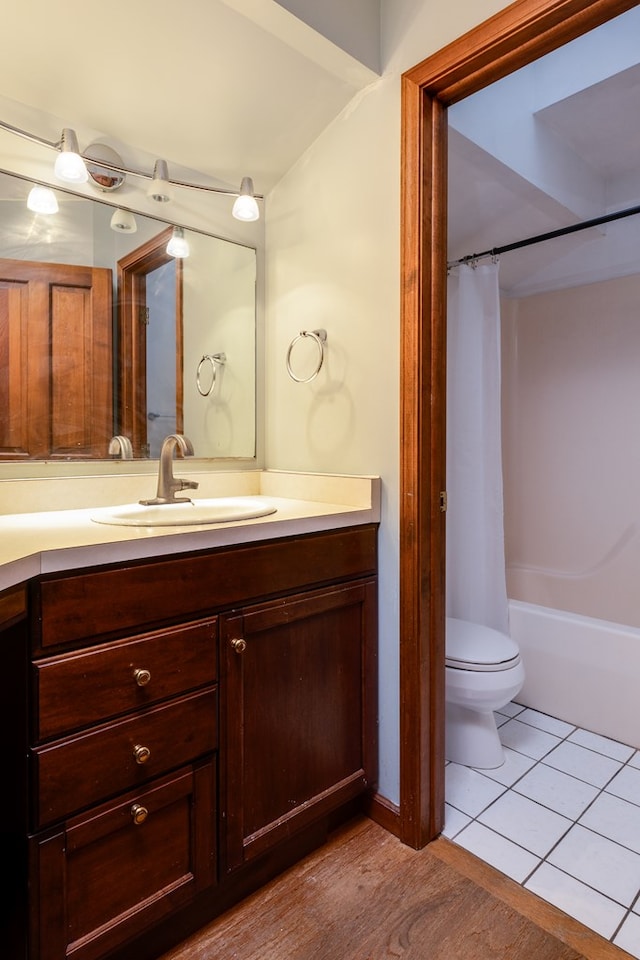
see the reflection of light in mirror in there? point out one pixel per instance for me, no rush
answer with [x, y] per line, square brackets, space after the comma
[123, 220]
[42, 200]
[178, 246]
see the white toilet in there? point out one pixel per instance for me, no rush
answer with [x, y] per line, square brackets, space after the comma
[483, 673]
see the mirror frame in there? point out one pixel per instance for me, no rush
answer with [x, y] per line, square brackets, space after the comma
[514, 37]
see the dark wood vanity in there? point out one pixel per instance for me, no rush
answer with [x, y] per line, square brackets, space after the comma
[178, 731]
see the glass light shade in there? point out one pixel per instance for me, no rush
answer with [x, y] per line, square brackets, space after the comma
[42, 200]
[69, 165]
[246, 205]
[178, 245]
[160, 188]
[123, 221]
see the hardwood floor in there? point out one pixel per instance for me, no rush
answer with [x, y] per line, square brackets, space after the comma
[366, 896]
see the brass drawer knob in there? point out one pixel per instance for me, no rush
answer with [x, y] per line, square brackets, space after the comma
[141, 753]
[239, 645]
[141, 677]
[139, 813]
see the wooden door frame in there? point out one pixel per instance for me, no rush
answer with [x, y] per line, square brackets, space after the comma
[132, 356]
[519, 34]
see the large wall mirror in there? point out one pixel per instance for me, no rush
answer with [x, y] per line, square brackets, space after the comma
[104, 334]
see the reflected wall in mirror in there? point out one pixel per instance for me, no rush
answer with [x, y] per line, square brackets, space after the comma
[102, 333]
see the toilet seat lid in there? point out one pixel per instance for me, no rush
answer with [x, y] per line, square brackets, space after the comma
[472, 646]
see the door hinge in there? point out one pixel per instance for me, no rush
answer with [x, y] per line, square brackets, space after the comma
[443, 501]
[143, 315]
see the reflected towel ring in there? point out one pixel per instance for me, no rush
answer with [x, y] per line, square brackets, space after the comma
[320, 337]
[213, 359]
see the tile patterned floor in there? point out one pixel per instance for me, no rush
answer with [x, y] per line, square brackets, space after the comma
[561, 817]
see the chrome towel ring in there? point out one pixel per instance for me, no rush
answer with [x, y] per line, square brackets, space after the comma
[320, 338]
[214, 359]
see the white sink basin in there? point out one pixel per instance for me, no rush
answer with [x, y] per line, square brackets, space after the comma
[195, 512]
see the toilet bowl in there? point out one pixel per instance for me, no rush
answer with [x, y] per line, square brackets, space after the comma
[483, 673]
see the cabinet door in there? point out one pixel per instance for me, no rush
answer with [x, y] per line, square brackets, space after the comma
[107, 875]
[299, 713]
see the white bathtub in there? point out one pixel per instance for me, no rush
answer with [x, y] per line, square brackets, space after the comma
[580, 669]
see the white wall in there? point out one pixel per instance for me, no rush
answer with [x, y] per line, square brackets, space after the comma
[333, 244]
[220, 317]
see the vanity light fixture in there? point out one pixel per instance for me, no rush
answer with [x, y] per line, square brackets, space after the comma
[178, 246]
[123, 221]
[104, 178]
[160, 188]
[69, 165]
[246, 207]
[42, 200]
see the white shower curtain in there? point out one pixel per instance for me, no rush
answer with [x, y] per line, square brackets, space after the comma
[476, 585]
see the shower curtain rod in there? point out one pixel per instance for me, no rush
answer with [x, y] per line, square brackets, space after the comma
[563, 231]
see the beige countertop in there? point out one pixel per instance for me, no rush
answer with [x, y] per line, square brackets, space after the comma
[46, 541]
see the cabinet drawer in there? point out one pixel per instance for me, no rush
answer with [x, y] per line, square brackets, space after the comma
[80, 689]
[78, 771]
[107, 875]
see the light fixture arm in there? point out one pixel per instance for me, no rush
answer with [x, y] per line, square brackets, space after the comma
[55, 145]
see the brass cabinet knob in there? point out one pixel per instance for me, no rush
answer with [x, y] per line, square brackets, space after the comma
[141, 753]
[239, 645]
[139, 813]
[141, 677]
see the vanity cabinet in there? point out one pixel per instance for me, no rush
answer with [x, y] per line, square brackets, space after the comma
[192, 723]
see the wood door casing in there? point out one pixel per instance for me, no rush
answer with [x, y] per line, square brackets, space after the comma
[514, 37]
[132, 336]
[56, 365]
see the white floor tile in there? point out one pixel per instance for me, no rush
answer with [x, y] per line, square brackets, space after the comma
[526, 739]
[554, 775]
[584, 764]
[526, 823]
[501, 853]
[515, 766]
[579, 901]
[626, 784]
[614, 818]
[557, 790]
[628, 936]
[600, 863]
[454, 821]
[511, 709]
[469, 791]
[610, 748]
[544, 722]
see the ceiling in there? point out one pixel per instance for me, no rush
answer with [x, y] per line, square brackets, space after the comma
[554, 144]
[227, 88]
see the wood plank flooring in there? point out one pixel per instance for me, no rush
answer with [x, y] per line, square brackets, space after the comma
[366, 896]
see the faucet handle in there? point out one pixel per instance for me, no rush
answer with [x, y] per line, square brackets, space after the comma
[188, 485]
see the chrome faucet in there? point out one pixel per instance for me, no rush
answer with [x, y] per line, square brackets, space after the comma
[168, 485]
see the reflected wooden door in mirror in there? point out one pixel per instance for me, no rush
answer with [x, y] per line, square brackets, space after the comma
[55, 361]
[134, 299]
